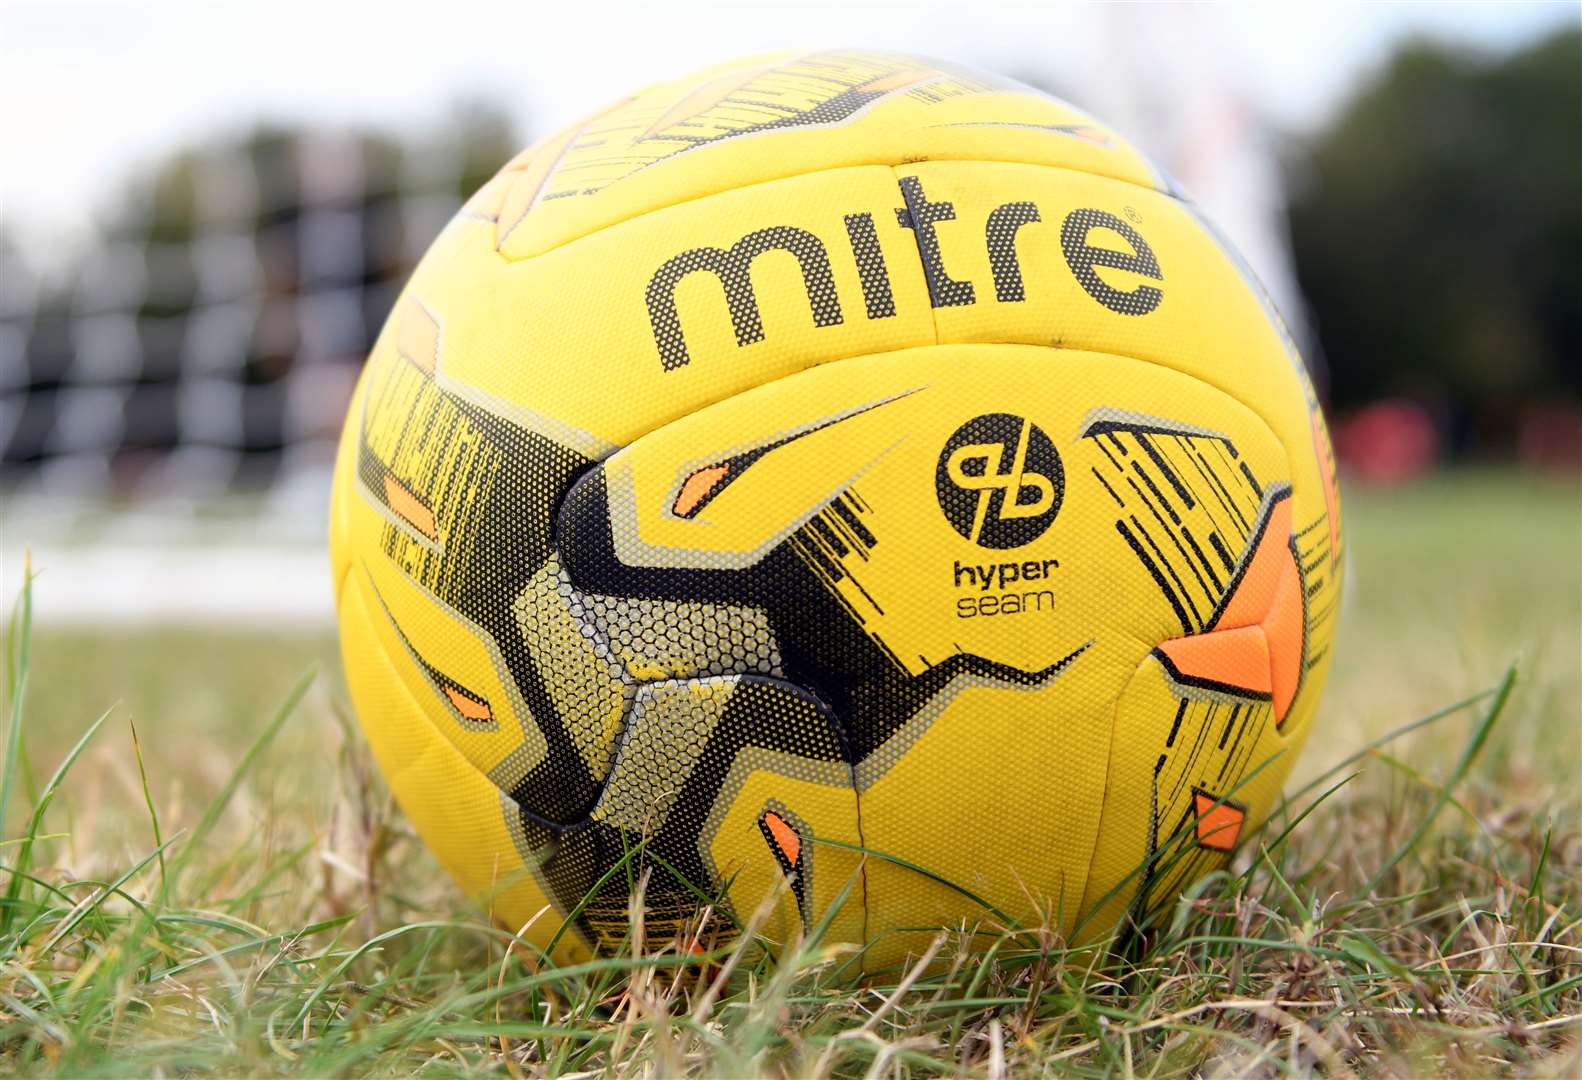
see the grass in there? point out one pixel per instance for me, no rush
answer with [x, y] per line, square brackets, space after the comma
[203, 874]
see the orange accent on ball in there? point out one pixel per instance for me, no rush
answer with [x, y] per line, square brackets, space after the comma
[697, 487]
[786, 838]
[1218, 823]
[410, 507]
[1256, 643]
[469, 706]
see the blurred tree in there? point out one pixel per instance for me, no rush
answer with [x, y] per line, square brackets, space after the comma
[1437, 228]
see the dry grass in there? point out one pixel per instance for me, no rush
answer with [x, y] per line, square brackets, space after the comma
[227, 889]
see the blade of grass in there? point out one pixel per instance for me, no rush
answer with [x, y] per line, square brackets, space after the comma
[1389, 737]
[148, 800]
[571, 916]
[25, 853]
[223, 799]
[17, 671]
[896, 860]
[103, 894]
[258, 943]
[1469, 753]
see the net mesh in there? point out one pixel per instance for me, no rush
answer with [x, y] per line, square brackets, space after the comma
[207, 337]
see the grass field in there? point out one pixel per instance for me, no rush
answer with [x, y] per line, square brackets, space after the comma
[217, 882]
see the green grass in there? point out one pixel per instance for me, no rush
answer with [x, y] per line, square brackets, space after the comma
[229, 890]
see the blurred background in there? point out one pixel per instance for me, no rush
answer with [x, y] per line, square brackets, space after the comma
[207, 210]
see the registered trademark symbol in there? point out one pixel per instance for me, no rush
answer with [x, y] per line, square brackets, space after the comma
[1133, 215]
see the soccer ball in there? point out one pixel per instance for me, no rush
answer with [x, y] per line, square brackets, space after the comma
[853, 490]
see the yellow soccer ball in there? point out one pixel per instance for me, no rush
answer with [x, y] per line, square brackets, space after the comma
[824, 455]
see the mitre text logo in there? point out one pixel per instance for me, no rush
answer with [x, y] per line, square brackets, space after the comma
[1081, 235]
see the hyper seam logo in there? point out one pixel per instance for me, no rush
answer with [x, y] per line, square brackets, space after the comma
[999, 481]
